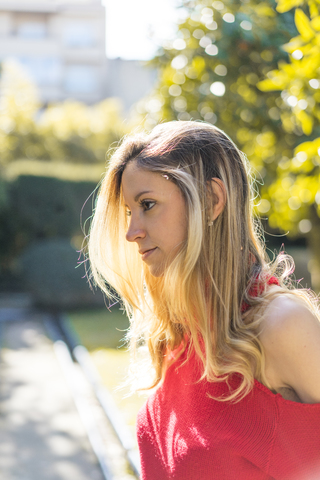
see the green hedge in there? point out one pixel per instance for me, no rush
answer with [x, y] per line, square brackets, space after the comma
[55, 275]
[41, 208]
[49, 207]
[41, 220]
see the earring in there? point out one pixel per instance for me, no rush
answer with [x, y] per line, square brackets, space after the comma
[210, 223]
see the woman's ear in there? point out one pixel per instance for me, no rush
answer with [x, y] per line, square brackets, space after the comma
[217, 197]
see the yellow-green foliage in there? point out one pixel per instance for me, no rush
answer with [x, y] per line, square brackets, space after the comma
[296, 188]
[68, 171]
[211, 70]
[50, 162]
[94, 128]
[65, 132]
[294, 79]
[268, 61]
[18, 106]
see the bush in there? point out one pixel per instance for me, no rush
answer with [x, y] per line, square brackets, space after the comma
[51, 272]
[49, 207]
[41, 208]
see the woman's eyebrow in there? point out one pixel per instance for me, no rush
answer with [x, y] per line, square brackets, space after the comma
[136, 198]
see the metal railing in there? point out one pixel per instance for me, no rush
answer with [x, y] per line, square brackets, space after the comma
[70, 354]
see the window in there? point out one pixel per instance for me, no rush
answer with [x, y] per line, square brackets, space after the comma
[44, 71]
[79, 35]
[32, 30]
[81, 79]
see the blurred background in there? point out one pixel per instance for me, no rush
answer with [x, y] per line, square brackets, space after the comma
[77, 75]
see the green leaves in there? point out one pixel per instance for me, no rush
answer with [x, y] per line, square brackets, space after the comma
[277, 81]
[294, 194]
[227, 51]
[286, 5]
[305, 121]
[68, 131]
[269, 64]
[295, 79]
[304, 26]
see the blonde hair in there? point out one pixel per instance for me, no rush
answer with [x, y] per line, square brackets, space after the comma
[199, 299]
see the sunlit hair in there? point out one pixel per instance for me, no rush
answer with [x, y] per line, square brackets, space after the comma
[198, 301]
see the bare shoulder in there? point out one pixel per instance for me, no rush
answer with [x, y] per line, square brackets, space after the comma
[290, 336]
[287, 315]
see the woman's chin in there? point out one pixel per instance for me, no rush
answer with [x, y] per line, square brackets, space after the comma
[156, 271]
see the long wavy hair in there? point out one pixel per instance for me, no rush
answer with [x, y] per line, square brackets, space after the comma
[198, 303]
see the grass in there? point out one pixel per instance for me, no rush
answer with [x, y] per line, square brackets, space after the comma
[57, 169]
[100, 328]
[102, 332]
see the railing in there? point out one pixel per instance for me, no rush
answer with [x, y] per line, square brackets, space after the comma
[72, 355]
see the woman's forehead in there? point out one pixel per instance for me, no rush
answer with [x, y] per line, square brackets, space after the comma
[136, 180]
[134, 173]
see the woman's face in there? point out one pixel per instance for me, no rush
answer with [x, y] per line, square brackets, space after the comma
[158, 216]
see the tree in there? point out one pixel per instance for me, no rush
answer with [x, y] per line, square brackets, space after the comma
[73, 131]
[18, 106]
[220, 69]
[69, 131]
[294, 195]
[42, 191]
[211, 70]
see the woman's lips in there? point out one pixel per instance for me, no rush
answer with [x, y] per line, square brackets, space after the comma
[147, 253]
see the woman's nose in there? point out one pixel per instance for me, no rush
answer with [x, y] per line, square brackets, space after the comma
[135, 232]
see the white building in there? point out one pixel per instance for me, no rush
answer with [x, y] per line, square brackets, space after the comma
[129, 80]
[60, 43]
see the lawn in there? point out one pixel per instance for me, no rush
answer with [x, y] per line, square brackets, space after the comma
[102, 332]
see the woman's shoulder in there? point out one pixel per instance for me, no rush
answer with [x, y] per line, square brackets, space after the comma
[290, 336]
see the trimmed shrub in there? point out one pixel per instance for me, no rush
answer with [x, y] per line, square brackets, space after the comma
[41, 207]
[52, 274]
[48, 207]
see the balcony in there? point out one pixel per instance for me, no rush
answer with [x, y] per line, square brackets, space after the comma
[13, 46]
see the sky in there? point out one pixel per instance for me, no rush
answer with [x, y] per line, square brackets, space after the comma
[134, 28]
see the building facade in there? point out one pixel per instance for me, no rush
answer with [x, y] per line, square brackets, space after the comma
[129, 80]
[61, 44]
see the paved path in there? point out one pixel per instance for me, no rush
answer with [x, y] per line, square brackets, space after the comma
[41, 435]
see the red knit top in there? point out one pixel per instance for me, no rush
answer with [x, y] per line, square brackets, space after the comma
[183, 434]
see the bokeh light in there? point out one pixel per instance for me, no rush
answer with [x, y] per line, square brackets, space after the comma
[218, 89]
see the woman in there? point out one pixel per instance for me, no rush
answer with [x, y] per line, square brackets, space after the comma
[236, 354]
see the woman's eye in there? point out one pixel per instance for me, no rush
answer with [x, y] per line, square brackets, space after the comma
[144, 204]
[147, 205]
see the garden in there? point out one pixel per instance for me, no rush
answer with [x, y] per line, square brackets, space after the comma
[250, 68]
